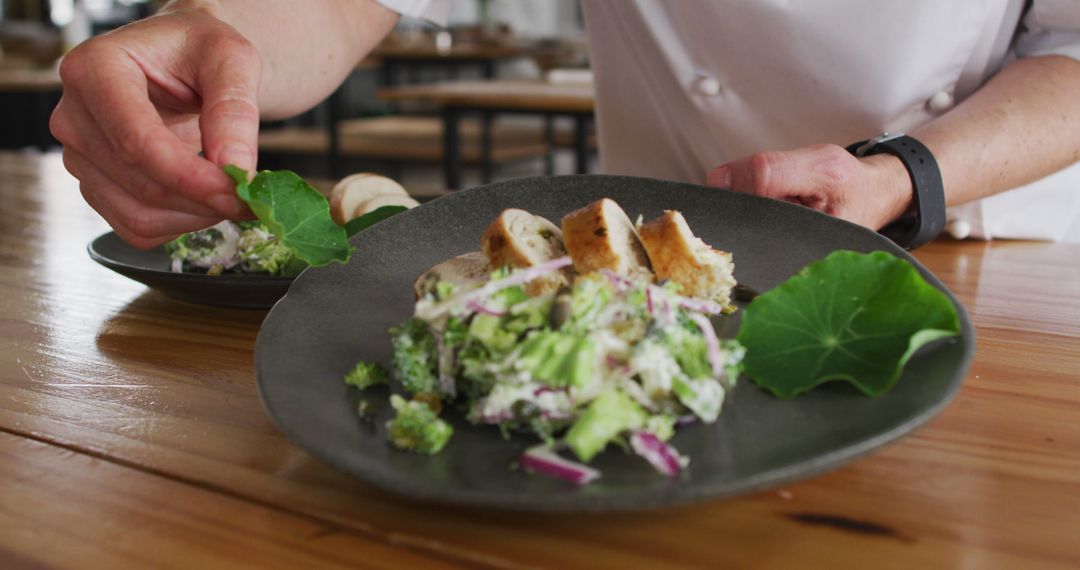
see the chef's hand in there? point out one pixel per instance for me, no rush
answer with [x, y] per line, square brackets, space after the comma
[138, 106]
[870, 191]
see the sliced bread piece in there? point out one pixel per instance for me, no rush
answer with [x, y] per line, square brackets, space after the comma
[677, 254]
[376, 202]
[600, 236]
[466, 269]
[354, 190]
[519, 239]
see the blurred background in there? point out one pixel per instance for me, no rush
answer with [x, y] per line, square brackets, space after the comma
[504, 91]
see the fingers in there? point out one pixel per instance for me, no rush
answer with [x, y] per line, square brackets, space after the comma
[230, 115]
[871, 191]
[141, 225]
[813, 176]
[92, 144]
[115, 95]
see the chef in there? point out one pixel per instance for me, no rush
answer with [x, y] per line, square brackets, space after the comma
[909, 117]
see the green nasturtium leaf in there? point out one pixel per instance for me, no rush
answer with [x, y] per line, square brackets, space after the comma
[355, 225]
[295, 212]
[851, 316]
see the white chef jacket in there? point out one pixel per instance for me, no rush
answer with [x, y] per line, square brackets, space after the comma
[684, 86]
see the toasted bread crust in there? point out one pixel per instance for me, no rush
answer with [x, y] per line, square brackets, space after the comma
[676, 254]
[600, 236]
[517, 238]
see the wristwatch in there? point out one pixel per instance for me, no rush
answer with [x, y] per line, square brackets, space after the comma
[926, 219]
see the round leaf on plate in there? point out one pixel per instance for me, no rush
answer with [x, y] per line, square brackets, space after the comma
[851, 316]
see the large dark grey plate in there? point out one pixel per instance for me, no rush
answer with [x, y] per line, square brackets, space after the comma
[332, 317]
[151, 267]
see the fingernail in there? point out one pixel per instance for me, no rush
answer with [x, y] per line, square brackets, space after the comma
[720, 177]
[237, 154]
[225, 204]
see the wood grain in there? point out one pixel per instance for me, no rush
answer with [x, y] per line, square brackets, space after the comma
[158, 394]
[70, 509]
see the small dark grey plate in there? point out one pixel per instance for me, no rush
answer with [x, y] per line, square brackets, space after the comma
[333, 317]
[151, 267]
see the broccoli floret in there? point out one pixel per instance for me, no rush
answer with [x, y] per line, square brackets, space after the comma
[415, 359]
[366, 374]
[416, 428]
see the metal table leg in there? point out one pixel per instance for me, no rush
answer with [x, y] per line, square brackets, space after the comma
[549, 140]
[487, 165]
[451, 148]
[581, 143]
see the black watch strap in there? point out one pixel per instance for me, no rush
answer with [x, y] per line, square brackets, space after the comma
[927, 217]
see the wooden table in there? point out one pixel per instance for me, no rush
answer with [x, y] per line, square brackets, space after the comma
[131, 435]
[488, 98]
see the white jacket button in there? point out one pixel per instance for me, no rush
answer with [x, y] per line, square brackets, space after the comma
[958, 228]
[940, 102]
[708, 85]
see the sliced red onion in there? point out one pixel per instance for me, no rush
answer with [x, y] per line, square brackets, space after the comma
[712, 344]
[683, 421]
[700, 306]
[177, 266]
[518, 277]
[522, 276]
[663, 457]
[659, 304]
[621, 283]
[542, 459]
[478, 307]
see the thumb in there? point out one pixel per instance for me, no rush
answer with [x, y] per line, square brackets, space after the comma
[229, 83]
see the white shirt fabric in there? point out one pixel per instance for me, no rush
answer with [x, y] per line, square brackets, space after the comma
[685, 86]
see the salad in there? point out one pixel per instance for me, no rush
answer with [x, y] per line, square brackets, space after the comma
[235, 247]
[578, 353]
[611, 359]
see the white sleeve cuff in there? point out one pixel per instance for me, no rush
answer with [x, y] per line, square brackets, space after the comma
[435, 11]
